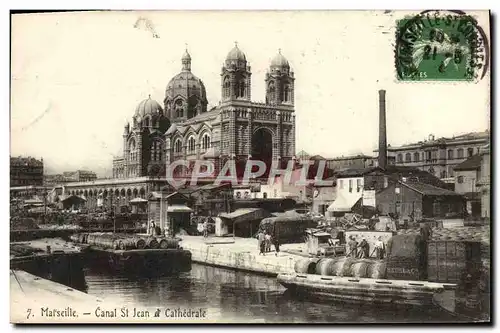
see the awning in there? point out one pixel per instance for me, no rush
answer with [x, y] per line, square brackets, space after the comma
[33, 201]
[40, 210]
[344, 203]
[138, 200]
[179, 209]
[245, 214]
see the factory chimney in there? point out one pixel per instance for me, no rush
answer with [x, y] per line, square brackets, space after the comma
[382, 134]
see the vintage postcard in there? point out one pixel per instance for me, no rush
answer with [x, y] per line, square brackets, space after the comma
[250, 167]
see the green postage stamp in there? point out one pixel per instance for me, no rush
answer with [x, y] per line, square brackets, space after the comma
[440, 46]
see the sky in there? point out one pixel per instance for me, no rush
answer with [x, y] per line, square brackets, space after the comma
[76, 78]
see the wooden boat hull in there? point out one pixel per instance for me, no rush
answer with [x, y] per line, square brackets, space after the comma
[360, 290]
[142, 262]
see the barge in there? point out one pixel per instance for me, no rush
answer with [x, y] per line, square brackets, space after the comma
[364, 290]
[137, 254]
[52, 259]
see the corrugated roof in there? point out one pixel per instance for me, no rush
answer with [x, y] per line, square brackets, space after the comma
[353, 172]
[427, 189]
[238, 213]
[472, 163]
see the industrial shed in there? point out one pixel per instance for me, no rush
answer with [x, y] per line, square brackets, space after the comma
[415, 200]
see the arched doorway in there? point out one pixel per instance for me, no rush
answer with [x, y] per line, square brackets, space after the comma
[262, 147]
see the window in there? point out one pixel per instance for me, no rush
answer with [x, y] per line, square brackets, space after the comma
[132, 151]
[428, 155]
[400, 158]
[239, 89]
[408, 157]
[146, 122]
[470, 152]
[275, 193]
[205, 141]
[460, 179]
[460, 153]
[341, 184]
[416, 157]
[178, 146]
[264, 195]
[358, 185]
[450, 154]
[350, 185]
[227, 86]
[179, 108]
[287, 93]
[443, 174]
[156, 151]
[191, 144]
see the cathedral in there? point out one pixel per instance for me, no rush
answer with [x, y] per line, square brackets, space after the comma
[236, 129]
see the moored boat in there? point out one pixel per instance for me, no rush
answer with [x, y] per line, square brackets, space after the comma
[351, 289]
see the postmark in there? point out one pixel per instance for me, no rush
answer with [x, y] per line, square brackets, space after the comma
[441, 46]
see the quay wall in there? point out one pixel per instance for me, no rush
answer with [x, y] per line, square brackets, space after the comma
[238, 256]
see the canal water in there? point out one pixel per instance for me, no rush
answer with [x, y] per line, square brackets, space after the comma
[231, 296]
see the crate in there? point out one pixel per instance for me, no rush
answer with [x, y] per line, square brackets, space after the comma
[448, 260]
[405, 269]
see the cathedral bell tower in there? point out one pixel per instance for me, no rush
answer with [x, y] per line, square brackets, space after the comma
[280, 82]
[236, 76]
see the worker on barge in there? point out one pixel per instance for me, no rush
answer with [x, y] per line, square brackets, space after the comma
[379, 249]
[261, 243]
[364, 251]
[353, 247]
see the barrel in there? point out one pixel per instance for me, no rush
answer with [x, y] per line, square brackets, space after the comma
[376, 270]
[326, 266]
[359, 268]
[343, 266]
[162, 243]
[132, 243]
[168, 243]
[152, 243]
[305, 266]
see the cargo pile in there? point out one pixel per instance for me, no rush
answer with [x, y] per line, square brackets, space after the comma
[59, 227]
[124, 241]
[21, 250]
[461, 234]
[343, 267]
[406, 257]
[471, 234]
[23, 223]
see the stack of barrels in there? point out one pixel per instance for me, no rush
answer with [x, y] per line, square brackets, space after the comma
[343, 267]
[124, 241]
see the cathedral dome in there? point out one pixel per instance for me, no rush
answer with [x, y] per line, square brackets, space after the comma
[187, 85]
[148, 106]
[236, 55]
[185, 96]
[280, 61]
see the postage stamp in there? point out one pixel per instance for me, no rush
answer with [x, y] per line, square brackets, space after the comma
[441, 46]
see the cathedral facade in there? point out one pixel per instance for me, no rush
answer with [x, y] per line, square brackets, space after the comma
[236, 129]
